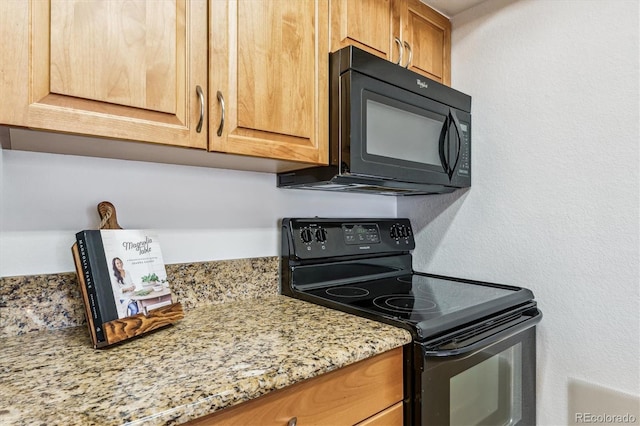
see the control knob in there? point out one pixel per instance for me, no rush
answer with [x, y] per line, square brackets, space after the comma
[400, 231]
[306, 235]
[321, 235]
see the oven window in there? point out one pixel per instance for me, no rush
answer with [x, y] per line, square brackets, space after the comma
[401, 134]
[489, 393]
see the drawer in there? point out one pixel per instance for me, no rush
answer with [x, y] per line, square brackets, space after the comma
[392, 416]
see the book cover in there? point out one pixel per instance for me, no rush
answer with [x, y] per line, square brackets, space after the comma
[123, 273]
[137, 272]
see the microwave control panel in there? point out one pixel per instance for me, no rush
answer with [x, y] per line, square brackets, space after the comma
[465, 152]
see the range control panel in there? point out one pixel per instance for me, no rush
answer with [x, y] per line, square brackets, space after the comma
[361, 233]
[325, 237]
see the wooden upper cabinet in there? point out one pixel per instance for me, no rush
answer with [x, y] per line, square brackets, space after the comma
[268, 66]
[366, 24]
[407, 32]
[428, 35]
[119, 68]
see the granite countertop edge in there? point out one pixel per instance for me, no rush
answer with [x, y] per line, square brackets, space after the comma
[216, 357]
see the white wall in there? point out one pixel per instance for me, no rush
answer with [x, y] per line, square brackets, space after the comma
[555, 195]
[200, 213]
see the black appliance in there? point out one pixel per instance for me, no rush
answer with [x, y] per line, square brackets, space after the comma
[392, 131]
[473, 356]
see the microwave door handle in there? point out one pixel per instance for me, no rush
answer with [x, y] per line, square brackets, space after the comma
[458, 142]
[443, 145]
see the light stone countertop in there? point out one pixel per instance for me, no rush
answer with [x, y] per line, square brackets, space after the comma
[216, 357]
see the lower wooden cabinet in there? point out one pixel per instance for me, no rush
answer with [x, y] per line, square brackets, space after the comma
[369, 392]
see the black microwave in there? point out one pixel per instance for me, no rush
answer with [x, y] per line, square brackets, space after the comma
[392, 131]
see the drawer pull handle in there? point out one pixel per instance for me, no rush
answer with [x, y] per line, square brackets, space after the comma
[293, 421]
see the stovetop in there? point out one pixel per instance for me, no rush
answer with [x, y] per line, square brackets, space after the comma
[427, 305]
[412, 298]
[364, 267]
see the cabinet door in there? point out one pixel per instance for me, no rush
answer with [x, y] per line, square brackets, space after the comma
[268, 67]
[407, 32]
[119, 68]
[428, 35]
[367, 24]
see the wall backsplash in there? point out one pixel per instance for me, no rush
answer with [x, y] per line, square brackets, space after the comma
[46, 302]
[200, 214]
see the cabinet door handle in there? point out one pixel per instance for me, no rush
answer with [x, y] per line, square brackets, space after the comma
[293, 421]
[221, 100]
[201, 98]
[399, 43]
[408, 46]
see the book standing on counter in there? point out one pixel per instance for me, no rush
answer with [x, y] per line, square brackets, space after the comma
[124, 285]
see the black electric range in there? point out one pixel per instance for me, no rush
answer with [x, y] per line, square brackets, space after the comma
[364, 267]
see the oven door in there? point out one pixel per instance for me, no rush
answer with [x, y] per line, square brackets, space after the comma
[396, 134]
[490, 381]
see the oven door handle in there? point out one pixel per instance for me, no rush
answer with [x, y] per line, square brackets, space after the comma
[488, 338]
